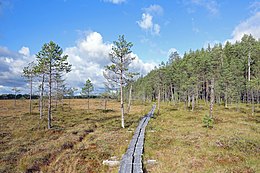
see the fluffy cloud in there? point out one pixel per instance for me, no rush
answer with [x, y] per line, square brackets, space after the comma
[139, 66]
[24, 51]
[249, 26]
[146, 23]
[154, 9]
[115, 1]
[11, 66]
[88, 59]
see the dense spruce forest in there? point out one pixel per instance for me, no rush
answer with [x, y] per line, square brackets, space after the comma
[232, 70]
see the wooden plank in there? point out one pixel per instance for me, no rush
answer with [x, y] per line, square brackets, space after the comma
[132, 159]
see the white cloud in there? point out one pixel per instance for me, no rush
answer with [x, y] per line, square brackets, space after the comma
[141, 67]
[24, 51]
[249, 26]
[115, 1]
[154, 9]
[11, 67]
[88, 59]
[210, 5]
[146, 22]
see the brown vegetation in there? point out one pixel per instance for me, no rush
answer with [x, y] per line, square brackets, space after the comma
[78, 142]
[80, 139]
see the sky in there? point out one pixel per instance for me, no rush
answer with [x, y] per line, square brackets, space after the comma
[86, 29]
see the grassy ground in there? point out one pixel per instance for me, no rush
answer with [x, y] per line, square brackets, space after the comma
[177, 140]
[81, 139]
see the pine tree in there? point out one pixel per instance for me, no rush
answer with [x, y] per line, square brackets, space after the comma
[52, 62]
[87, 89]
[118, 72]
[29, 73]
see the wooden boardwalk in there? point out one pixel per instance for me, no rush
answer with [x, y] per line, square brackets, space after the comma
[132, 160]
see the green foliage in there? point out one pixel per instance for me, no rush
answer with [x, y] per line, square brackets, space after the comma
[190, 76]
[51, 64]
[208, 121]
[88, 88]
[118, 72]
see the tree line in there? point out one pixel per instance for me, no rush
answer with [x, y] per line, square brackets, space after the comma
[223, 74]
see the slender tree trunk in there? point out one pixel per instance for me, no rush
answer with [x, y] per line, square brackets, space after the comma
[172, 95]
[164, 94]
[249, 66]
[188, 106]
[130, 99]
[226, 99]
[212, 97]
[193, 102]
[249, 76]
[219, 99]
[122, 101]
[88, 101]
[41, 98]
[207, 92]
[197, 94]
[49, 105]
[30, 95]
[159, 100]
[203, 91]
[56, 95]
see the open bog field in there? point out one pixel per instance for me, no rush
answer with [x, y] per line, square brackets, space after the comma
[179, 143]
[81, 139]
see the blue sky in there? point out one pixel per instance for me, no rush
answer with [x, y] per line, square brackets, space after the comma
[86, 29]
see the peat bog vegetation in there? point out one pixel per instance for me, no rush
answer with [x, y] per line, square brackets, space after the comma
[81, 139]
[78, 142]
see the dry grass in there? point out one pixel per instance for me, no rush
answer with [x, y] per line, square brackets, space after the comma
[179, 143]
[79, 141]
